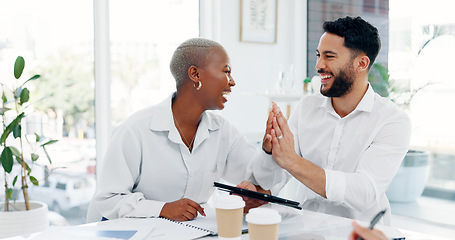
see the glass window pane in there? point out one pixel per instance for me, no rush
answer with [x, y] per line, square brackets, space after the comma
[329, 10]
[61, 186]
[144, 34]
[421, 45]
[56, 40]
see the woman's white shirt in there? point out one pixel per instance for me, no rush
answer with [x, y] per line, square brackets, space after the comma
[147, 164]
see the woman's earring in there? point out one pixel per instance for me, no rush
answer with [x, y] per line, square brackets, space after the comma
[198, 86]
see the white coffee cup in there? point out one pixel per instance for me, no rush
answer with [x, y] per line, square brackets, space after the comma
[263, 223]
[229, 216]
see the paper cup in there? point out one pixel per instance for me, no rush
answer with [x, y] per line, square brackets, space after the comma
[263, 224]
[229, 216]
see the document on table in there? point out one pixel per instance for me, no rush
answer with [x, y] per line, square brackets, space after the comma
[128, 228]
[199, 227]
[138, 229]
[167, 229]
[94, 233]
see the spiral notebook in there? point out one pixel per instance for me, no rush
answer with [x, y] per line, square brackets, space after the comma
[198, 227]
[169, 229]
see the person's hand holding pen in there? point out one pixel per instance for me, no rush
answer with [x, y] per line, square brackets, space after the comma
[365, 233]
[360, 233]
[182, 210]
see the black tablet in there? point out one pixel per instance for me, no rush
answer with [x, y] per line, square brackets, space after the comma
[257, 195]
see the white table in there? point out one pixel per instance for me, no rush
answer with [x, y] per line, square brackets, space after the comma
[313, 225]
[306, 224]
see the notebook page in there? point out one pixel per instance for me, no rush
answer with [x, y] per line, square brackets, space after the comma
[168, 229]
[208, 222]
[162, 228]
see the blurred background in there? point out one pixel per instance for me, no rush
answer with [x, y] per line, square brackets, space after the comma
[60, 40]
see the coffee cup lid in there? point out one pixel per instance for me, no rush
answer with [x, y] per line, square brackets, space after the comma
[229, 202]
[263, 216]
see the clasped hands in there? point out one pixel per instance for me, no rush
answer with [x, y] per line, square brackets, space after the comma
[278, 141]
[278, 138]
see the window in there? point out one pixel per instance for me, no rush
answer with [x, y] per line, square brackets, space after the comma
[369, 6]
[144, 34]
[422, 41]
[417, 45]
[321, 11]
[61, 186]
[56, 38]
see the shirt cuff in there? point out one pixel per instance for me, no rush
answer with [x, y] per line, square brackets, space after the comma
[335, 186]
[143, 208]
[267, 163]
[151, 208]
[265, 171]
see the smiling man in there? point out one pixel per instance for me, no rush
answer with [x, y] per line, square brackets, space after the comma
[346, 144]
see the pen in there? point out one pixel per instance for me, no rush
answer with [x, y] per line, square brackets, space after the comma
[374, 221]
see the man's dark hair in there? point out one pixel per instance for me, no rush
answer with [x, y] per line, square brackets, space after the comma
[359, 35]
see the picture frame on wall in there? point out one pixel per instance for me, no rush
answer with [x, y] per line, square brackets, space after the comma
[258, 21]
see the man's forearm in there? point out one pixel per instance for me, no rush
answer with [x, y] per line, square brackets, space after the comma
[309, 174]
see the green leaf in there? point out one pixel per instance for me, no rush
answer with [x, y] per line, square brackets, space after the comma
[34, 157]
[16, 125]
[19, 160]
[17, 130]
[25, 96]
[9, 193]
[47, 155]
[4, 110]
[19, 117]
[49, 142]
[7, 159]
[5, 134]
[4, 99]
[32, 78]
[19, 67]
[10, 127]
[45, 151]
[379, 79]
[37, 137]
[29, 170]
[34, 180]
[14, 181]
[15, 151]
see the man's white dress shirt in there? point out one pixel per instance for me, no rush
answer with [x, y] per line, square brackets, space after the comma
[147, 164]
[360, 154]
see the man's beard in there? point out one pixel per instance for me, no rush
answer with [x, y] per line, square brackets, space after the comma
[341, 85]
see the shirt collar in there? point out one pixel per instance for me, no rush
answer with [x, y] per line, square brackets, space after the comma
[163, 120]
[366, 104]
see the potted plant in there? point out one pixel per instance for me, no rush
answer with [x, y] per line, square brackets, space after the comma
[14, 153]
[306, 85]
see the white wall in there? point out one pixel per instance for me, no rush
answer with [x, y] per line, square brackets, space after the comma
[255, 66]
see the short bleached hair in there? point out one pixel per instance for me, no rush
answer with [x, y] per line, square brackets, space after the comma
[192, 52]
